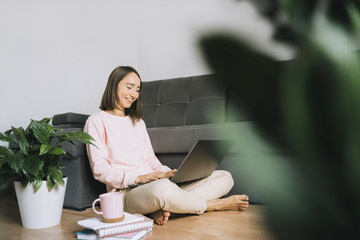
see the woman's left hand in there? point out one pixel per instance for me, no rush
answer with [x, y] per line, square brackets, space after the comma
[154, 176]
[168, 174]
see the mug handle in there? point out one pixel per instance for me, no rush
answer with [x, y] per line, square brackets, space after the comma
[93, 206]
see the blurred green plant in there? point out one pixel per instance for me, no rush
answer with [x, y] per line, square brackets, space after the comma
[36, 154]
[308, 108]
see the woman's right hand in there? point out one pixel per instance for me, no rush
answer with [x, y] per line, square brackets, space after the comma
[154, 176]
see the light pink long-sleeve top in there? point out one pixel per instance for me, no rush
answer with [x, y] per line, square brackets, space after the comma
[123, 150]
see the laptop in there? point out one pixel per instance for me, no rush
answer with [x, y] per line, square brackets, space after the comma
[204, 157]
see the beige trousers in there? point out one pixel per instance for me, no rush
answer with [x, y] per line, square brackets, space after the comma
[168, 196]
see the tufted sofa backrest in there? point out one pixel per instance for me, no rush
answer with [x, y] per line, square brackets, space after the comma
[183, 101]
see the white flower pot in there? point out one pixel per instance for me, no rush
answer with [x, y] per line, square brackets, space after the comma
[41, 209]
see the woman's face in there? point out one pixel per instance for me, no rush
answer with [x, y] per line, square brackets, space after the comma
[128, 90]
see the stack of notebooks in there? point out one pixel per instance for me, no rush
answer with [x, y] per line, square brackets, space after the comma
[134, 226]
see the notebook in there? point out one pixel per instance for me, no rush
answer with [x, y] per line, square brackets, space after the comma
[130, 223]
[88, 234]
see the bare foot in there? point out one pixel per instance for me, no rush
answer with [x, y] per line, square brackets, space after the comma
[232, 203]
[160, 217]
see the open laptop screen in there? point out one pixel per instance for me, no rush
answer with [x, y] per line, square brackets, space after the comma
[202, 160]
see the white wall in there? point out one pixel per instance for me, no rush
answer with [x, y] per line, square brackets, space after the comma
[170, 32]
[56, 55]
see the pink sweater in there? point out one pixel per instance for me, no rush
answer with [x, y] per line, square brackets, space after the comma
[124, 150]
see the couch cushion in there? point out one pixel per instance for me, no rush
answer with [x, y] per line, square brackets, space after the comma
[177, 140]
[183, 101]
[182, 139]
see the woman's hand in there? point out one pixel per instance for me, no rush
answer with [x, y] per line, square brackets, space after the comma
[168, 174]
[154, 176]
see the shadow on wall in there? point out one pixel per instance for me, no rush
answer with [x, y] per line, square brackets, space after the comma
[308, 107]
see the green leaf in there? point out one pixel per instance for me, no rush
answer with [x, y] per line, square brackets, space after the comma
[18, 132]
[56, 175]
[35, 147]
[56, 161]
[27, 175]
[8, 131]
[45, 148]
[49, 182]
[37, 183]
[16, 161]
[40, 131]
[32, 164]
[57, 151]
[24, 182]
[60, 133]
[3, 160]
[41, 166]
[6, 138]
[5, 152]
[50, 128]
[45, 121]
[24, 145]
[81, 136]
[74, 136]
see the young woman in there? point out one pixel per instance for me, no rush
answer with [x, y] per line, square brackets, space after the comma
[124, 156]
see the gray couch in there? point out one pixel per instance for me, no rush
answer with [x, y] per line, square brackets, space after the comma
[177, 112]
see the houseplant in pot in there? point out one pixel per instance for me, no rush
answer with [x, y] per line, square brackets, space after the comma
[34, 161]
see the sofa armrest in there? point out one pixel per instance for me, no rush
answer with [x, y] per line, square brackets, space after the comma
[69, 120]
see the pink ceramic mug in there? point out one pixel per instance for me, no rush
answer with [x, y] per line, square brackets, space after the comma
[111, 204]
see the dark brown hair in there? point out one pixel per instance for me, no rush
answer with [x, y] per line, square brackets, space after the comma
[110, 98]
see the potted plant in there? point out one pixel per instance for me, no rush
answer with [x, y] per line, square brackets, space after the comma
[34, 161]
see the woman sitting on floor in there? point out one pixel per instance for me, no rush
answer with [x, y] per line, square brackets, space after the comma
[124, 156]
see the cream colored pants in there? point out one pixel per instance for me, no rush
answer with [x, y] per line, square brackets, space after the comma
[168, 196]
